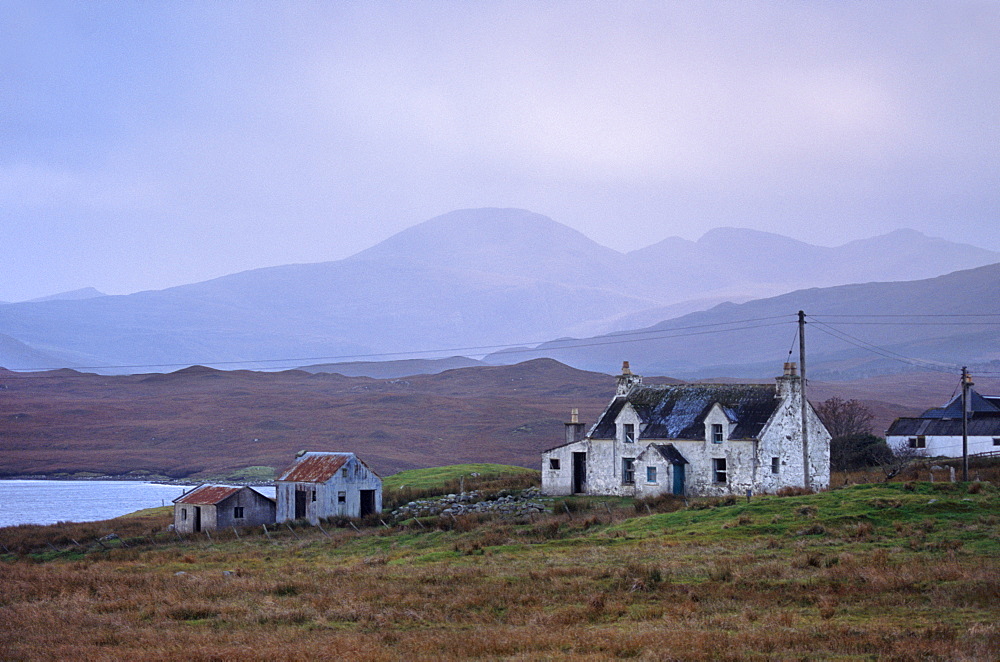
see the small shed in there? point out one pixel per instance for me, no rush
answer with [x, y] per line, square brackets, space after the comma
[212, 507]
[320, 485]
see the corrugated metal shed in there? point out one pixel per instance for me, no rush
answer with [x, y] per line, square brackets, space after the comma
[207, 495]
[315, 467]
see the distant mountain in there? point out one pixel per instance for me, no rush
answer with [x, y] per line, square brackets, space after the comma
[468, 282]
[72, 295]
[394, 369]
[853, 331]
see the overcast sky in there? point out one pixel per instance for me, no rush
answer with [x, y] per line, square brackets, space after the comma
[149, 144]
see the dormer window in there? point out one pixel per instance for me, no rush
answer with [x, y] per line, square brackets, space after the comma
[629, 433]
[717, 433]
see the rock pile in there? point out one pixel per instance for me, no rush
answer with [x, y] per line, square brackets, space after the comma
[513, 505]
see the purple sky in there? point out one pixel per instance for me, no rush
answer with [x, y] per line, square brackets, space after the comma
[149, 144]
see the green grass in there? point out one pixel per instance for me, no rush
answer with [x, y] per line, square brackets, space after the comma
[439, 477]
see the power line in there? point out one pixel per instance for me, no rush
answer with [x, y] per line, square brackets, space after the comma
[880, 351]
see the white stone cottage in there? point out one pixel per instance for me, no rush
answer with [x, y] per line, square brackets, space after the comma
[693, 439]
[938, 432]
[321, 485]
[213, 507]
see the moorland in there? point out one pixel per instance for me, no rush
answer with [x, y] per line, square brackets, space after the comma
[205, 424]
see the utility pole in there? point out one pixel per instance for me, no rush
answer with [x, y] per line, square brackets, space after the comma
[966, 384]
[807, 483]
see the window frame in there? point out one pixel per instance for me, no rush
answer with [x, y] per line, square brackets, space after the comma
[554, 464]
[628, 433]
[238, 512]
[775, 465]
[720, 469]
[718, 433]
[918, 442]
[628, 471]
[651, 474]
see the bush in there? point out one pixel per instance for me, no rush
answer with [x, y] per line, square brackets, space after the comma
[857, 451]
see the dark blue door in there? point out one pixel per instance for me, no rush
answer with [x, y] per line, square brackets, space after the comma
[678, 479]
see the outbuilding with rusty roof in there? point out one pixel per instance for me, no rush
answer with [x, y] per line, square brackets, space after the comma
[213, 507]
[321, 485]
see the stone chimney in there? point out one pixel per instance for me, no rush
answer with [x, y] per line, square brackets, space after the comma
[574, 429]
[790, 382]
[627, 380]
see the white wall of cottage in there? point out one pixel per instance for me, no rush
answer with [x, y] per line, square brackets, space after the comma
[946, 446]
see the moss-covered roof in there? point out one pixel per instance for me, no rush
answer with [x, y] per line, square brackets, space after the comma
[678, 411]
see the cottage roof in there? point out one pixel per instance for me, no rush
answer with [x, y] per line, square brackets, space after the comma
[207, 495]
[979, 426]
[315, 467]
[977, 404]
[669, 453]
[678, 411]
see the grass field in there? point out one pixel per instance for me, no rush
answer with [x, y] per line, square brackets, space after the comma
[901, 571]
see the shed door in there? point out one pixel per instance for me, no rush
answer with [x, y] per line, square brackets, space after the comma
[197, 518]
[367, 502]
[678, 479]
[300, 504]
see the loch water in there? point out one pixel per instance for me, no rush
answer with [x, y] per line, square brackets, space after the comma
[51, 501]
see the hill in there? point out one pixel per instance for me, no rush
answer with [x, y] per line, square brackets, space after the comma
[854, 331]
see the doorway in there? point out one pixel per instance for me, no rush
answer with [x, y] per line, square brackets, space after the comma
[197, 519]
[300, 504]
[367, 502]
[679, 479]
[579, 473]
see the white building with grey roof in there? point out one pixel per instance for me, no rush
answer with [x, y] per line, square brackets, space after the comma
[694, 439]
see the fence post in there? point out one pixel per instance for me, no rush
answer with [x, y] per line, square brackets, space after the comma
[292, 530]
[266, 532]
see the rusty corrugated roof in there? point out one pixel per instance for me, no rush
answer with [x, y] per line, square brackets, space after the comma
[315, 467]
[207, 495]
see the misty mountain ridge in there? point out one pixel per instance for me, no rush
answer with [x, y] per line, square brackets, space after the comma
[477, 278]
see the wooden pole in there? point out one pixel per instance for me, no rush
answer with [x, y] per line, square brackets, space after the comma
[966, 384]
[807, 478]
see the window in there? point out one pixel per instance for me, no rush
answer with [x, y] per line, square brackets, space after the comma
[650, 474]
[629, 433]
[717, 433]
[775, 465]
[184, 514]
[918, 442]
[237, 512]
[554, 463]
[341, 497]
[314, 495]
[343, 472]
[719, 470]
[628, 470]
[996, 441]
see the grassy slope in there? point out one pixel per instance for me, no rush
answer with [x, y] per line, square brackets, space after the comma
[439, 477]
[904, 571]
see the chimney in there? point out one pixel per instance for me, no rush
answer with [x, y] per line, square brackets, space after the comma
[627, 380]
[574, 429]
[789, 382]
